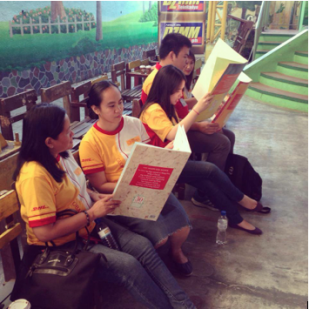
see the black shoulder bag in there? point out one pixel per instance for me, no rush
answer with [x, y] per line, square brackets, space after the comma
[59, 278]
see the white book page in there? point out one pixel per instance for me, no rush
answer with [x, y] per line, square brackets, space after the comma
[181, 141]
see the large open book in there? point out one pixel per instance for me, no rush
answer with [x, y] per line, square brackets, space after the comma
[222, 116]
[149, 177]
[218, 75]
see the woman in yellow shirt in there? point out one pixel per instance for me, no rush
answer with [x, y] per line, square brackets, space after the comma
[103, 153]
[160, 119]
[44, 189]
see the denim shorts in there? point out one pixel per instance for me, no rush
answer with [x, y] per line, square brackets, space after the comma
[172, 218]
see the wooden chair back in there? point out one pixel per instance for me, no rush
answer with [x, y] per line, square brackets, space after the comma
[119, 69]
[244, 30]
[76, 103]
[60, 91]
[7, 105]
[149, 54]
[99, 79]
[83, 90]
[136, 108]
[135, 66]
[145, 62]
[10, 230]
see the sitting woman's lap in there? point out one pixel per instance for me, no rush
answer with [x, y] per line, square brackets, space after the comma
[172, 218]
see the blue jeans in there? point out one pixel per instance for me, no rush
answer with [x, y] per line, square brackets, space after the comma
[139, 268]
[217, 145]
[172, 218]
[210, 180]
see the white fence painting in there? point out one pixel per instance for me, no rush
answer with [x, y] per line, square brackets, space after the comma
[50, 24]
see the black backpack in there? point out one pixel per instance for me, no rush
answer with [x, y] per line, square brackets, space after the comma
[243, 176]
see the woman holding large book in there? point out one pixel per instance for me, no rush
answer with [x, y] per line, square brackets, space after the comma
[161, 122]
[103, 154]
[49, 181]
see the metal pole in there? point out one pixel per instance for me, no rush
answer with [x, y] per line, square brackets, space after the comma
[223, 21]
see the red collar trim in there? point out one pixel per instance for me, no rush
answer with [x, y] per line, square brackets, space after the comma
[110, 132]
[58, 157]
[158, 66]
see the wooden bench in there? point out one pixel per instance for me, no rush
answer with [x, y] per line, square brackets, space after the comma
[7, 105]
[82, 90]
[10, 230]
[119, 70]
[60, 91]
[151, 55]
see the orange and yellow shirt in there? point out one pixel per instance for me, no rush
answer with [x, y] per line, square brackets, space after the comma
[41, 197]
[157, 124]
[182, 110]
[108, 151]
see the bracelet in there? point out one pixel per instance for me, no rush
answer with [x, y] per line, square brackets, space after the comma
[87, 216]
[195, 111]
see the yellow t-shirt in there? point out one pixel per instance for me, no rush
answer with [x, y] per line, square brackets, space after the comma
[157, 124]
[108, 151]
[41, 197]
[148, 83]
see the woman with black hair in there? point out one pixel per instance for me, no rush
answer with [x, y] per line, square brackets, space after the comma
[161, 122]
[44, 189]
[215, 141]
[103, 153]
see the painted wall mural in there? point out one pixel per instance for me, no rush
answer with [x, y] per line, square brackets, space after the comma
[45, 42]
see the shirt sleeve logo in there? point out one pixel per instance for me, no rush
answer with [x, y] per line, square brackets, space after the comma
[39, 208]
[133, 140]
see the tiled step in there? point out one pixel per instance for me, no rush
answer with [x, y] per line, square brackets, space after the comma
[280, 93]
[265, 37]
[293, 69]
[301, 57]
[284, 82]
[278, 97]
[261, 52]
[269, 45]
[302, 53]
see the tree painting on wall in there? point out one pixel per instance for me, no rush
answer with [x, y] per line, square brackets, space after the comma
[57, 9]
[64, 29]
[99, 33]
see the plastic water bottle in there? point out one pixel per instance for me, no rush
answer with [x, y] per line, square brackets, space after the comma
[222, 226]
[106, 235]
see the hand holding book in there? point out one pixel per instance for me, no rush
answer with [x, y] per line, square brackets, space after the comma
[203, 103]
[208, 127]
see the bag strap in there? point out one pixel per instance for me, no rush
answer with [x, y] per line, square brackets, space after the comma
[70, 213]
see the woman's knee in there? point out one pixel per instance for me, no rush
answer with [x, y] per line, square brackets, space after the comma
[161, 243]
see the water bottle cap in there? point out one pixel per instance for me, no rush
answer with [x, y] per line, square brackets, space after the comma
[223, 213]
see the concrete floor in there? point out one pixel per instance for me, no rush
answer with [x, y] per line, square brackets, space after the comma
[252, 272]
[267, 271]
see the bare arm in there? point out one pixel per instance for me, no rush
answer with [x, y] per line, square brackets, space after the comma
[99, 182]
[72, 224]
[189, 120]
[95, 196]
